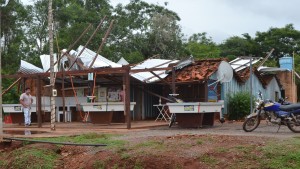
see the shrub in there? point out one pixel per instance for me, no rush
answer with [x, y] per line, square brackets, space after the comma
[239, 105]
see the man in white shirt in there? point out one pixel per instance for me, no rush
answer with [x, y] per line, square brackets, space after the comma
[26, 101]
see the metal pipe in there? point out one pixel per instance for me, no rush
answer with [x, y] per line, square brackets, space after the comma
[52, 142]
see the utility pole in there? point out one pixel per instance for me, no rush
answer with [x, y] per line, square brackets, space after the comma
[52, 100]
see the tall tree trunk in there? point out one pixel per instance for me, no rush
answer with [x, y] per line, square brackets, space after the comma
[52, 100]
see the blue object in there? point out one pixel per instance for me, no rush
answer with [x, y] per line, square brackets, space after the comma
[273, 107]
[282, 113]
[286, 62]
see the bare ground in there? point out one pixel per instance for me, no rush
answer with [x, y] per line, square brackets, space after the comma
[221, 146]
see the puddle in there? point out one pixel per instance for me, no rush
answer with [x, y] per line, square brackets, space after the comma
[22, 132]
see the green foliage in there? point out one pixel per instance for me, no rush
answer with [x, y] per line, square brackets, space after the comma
[209, 160]
[164, 36]
[284, 40]
[239, 105]
[239, 46]
[99, 164]
[148, 29]
[3, 162]
[12, 96]
[90, 138]
[151, 144]
[134, 57]
[201, 47]
[284, 154]
[34, 158]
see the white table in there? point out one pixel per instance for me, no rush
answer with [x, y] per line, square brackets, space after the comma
[163, 112]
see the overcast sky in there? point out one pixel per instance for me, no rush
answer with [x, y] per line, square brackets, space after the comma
[222, 19]
[225, 18]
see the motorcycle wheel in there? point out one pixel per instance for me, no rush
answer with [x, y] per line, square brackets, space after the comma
[172, 120]
[251, 123]
[294, 125]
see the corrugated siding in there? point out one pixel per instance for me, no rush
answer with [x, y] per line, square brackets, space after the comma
[149, 111]
[234, 87]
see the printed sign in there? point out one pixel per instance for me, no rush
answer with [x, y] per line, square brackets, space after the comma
[97, 107]
[188, 108]
[17, 108]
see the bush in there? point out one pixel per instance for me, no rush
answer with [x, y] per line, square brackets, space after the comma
[239, 105]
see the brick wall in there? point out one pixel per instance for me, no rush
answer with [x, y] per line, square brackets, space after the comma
[288, 85]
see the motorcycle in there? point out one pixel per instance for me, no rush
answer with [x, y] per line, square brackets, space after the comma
[282, 113]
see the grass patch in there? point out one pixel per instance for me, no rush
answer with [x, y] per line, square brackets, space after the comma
[222, 149]
[99, 164]
[151, 144]
[209, 160]
[34, 158]
[138, 165]
[116, 166]
[244, 149]
[90, 138]
[125, 156]
[199, 142]
[3, 163]
[102, 164]
[285, 154]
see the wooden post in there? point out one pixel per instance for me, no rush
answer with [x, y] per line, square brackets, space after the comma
[126, 88]
[173, 81]
[206, 92]
[39, 101]
[63, 92]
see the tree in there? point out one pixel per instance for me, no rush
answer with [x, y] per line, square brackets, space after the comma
[164, 36]
[13, 17]
[239, 46]
[142, 27]
[37, 31]
[284, 40]
[201, 46]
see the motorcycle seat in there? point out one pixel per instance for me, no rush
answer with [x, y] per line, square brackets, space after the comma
[290, 107]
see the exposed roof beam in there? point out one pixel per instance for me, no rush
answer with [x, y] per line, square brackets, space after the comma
[150, 69]
[74, 72]
[163, 80]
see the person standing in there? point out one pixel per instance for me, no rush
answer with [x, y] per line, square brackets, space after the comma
[26, 101]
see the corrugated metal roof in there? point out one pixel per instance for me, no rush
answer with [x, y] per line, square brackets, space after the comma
[28, 68]
[123, 61]
[88, 55]
[45, 59]
[151, 63]
[271, 69]
[242, 63]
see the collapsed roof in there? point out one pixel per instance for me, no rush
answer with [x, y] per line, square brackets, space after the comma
[83, 55]
[186, 69]
[198, 71]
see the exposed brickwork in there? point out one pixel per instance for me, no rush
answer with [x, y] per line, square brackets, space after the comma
[289, 86]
